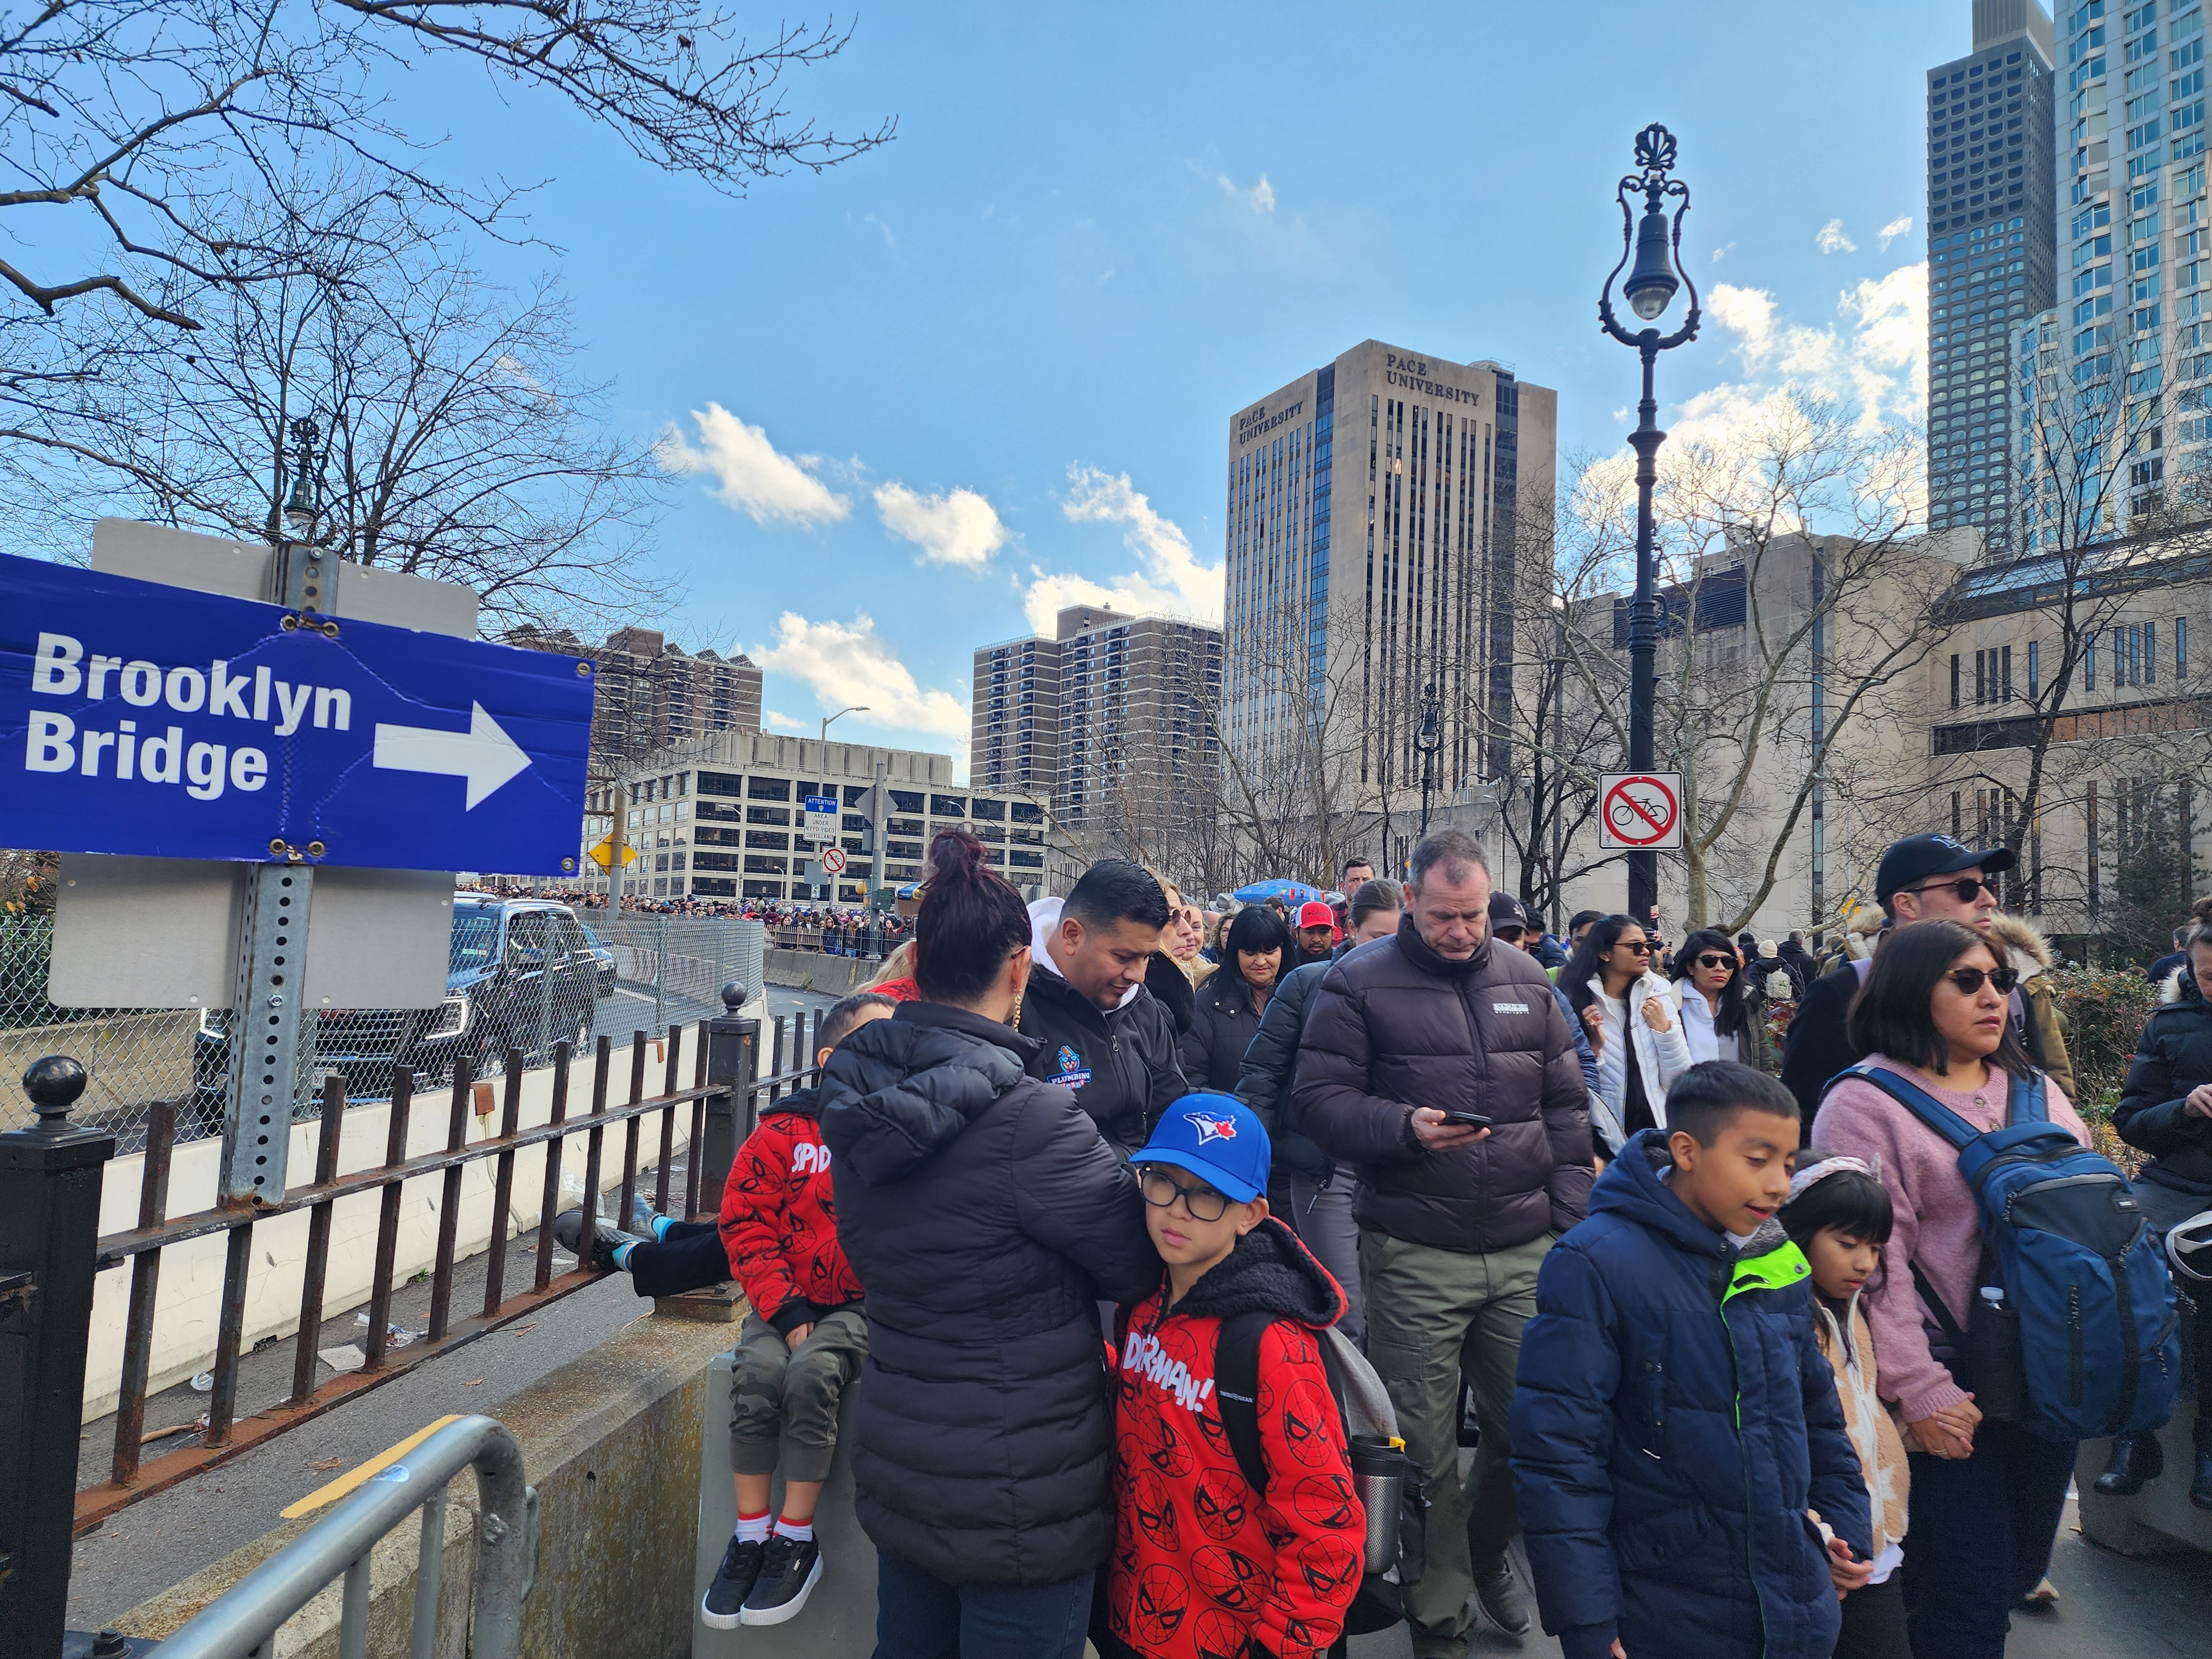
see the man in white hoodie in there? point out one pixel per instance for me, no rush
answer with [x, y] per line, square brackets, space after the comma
[1100, 1032]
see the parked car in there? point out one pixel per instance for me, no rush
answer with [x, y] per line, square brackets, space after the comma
[520, 973]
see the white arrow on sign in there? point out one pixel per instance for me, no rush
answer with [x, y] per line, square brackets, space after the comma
[484, 754]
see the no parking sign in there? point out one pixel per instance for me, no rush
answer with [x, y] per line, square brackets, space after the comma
[1640, 812]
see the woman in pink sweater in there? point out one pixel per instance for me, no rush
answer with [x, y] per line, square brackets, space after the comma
[1986, 1497]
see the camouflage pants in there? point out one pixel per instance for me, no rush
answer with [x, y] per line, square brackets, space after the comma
[786, 1400]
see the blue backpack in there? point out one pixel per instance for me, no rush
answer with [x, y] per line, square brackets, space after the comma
[2074, 1334]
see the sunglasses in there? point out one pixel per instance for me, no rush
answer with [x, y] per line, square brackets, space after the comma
[1641, 946]
[1510, 932]
[1969, 980]
[1714, 959]
[1968, 888]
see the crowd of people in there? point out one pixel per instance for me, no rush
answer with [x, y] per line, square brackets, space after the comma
[1149, 1237]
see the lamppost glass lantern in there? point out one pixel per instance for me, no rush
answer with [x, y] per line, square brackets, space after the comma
[302, 509]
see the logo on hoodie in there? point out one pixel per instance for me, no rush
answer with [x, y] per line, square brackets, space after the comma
[1073, 1073]
[1211, 1127]
[1142, 1354]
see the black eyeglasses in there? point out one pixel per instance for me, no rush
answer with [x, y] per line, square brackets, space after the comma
[1714, 959]
[1161, 1190]
[1968, 888]
[1969, 980]
[1641, 946]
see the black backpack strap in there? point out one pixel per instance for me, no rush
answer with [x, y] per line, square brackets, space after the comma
[1237, 1386]
[1937, 1305]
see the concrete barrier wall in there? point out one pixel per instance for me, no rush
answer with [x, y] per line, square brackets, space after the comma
[810, 971]
[188, 1307]
[611, 1442]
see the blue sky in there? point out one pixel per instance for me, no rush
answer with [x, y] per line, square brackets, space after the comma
[989, 368]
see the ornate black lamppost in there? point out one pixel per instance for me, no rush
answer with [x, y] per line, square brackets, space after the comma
[1649, 290]
[1428, 742]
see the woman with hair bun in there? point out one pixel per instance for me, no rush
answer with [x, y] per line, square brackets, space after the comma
[986, 1217]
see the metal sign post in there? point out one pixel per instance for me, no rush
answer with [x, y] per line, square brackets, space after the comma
[272, 936]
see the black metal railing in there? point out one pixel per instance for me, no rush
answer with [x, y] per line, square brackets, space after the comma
[727, 1089]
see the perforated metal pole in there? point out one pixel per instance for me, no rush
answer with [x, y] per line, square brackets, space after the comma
[272, 936]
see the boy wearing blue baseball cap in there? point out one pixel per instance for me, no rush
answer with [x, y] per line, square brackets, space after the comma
[1208, 1558]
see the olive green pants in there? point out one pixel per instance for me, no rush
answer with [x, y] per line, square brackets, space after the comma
[784, 1400]
[1432, 1317]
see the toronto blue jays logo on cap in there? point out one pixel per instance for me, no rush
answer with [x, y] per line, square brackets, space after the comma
[1217, 1138]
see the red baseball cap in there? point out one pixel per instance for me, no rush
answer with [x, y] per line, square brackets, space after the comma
[1314, 914]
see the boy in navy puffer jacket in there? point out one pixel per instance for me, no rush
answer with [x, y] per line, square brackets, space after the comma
[1675, 1429]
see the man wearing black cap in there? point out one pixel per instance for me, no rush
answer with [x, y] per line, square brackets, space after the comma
[1921, 878]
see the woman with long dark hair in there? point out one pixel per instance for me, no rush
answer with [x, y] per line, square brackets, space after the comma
[1629, 1012]
[1986, 1495]
[1256, 953]
[1721, 1018]
[986, 1217]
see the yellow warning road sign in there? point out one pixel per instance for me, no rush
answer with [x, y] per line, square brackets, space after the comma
[604, 854]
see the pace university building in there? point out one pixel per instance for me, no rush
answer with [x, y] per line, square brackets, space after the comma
[1381, 536]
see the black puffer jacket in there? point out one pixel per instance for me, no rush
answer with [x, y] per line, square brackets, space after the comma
[1271, 1063]
[1395, 1026]
[2173, 1057]
[986, 1218]
[1121, 1064]
[1222, 1026]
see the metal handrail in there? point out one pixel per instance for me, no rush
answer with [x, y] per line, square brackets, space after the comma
[242, 1623]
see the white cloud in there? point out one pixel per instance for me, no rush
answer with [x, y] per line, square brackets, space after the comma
[750, 475]
[845, 663]
[1896, 228]
[779, 721]
[958, 527]
[1832, 240]
[1872, 357]
[1720, 253]
[1170, 578]
[1261, 198]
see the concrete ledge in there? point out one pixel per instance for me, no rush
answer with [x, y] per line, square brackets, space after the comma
[612, 1440]
[810, 971]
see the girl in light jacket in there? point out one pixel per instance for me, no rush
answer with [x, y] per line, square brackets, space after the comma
[1634, 1024]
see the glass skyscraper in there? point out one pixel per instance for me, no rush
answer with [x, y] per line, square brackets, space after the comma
[2122, 336]
[1992, 252]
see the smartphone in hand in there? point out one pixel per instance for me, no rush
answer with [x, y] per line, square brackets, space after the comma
[1469, 1120]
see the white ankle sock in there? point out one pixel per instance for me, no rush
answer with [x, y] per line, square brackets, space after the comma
[753, 1528]
[788, 1528]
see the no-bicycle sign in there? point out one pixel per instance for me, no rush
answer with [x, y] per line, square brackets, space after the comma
[1640, 812]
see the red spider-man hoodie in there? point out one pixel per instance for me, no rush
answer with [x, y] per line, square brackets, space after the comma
[778, 1222]
[1201, 1563]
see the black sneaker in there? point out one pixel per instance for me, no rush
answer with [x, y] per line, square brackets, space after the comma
[1501, 1598]
[787, 1578]
[606, 1238]
[723, 1609]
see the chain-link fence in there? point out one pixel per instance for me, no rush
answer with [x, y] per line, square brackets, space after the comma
[522, 973]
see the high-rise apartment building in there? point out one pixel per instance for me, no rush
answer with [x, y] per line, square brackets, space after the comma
[2110, 419]
[1389, 518]
[1110, 720]
[1992, 258]
[651, 693]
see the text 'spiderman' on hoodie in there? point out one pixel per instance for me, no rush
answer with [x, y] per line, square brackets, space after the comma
[1202, 1563]
[778, 1220]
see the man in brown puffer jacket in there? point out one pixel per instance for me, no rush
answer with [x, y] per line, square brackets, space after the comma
[1454, 1220]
